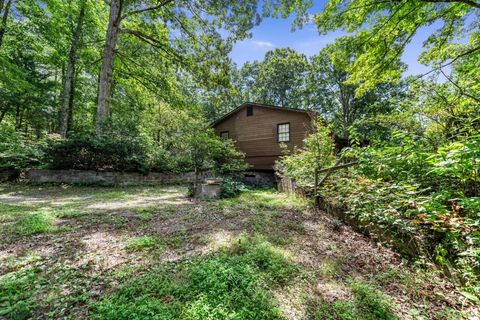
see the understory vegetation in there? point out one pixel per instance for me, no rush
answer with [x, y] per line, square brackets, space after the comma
[405, 190]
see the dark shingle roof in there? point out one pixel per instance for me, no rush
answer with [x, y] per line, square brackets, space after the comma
[255, 105]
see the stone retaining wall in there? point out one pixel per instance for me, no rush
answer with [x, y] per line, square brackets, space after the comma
[38, 176]
[412, 245]
[9, 175]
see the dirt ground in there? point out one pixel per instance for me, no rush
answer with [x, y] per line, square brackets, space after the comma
[65, 248]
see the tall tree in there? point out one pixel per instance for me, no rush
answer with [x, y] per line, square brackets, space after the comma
[105, 81]
[68, 85]
[279, 79]
[329, 90]
[385, 28]
[193, 35]
[3, 23]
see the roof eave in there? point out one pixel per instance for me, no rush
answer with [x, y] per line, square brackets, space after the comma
[258, 105]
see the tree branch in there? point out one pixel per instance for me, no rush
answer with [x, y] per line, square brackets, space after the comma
[156, 44]
[159, 6]
[468, 2]
[462, 92]
[450, 62]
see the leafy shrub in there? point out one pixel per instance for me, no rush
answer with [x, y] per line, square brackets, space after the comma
[230, 187]
[458, 163]
[136, 153]
[228, 159]
[110, 152]
[16, 152]
[405, 189]
[316, 154]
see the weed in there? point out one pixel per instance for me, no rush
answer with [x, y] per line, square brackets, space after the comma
[367, 303]
[16, 298]
[228, 285]
[10, 212]
[143, 243]
[337, 225]
[370, 302]
[68, 213]
[329, 268]
[34, 224]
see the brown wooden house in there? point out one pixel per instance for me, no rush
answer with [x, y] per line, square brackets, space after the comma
[258, 130]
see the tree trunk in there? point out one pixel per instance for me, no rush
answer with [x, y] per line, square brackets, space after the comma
[2, 2]
[3, 26]
[68, 86]
[70, 107]
[106, 71]
[18, 118]
[4, 112]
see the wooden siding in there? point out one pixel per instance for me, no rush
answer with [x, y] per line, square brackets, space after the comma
[256, 135]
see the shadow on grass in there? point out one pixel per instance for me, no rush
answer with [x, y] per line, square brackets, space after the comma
[361, 300]
[192, 263]
[233, 283]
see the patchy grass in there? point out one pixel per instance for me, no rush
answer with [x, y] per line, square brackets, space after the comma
[262, 199]
[35, 223]
[231, 284]
[151, 253]
[367, 303]
[144, 243]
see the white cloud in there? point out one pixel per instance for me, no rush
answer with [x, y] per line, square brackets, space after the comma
[263, 44]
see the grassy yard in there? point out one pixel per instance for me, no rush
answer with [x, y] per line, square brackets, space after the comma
[152, 253]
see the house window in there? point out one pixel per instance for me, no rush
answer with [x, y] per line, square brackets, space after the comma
[224, 135]
[283, 132]
[249, 111]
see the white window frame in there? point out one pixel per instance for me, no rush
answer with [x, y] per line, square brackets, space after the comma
[283, 132]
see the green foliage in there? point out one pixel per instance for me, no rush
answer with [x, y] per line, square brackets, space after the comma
[34, 223]
[112, 152]
[458, 163]
[280, 78]
[15, 299]
[329, 91]
[15, 151]
[317, 153]
[188, 150]
[383, 30]
[230, 187]
[144, 243]
[408, 192]
[228, 285]
[368, 303]
[415, 187]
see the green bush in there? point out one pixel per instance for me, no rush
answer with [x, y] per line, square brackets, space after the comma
[404, 188]
[316, 154]
[230, 187]
[110, 152]
[16, 152]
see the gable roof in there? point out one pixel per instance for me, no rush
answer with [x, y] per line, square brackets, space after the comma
[243, 105]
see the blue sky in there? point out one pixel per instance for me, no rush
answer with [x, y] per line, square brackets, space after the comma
[276, 33]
